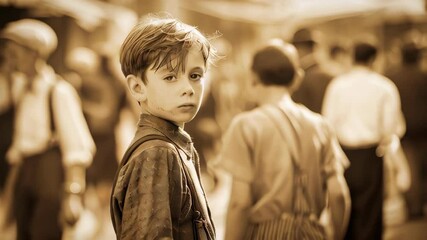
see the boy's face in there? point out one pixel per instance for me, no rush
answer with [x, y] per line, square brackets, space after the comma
[176, 96]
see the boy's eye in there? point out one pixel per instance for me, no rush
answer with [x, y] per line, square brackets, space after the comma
[170, 78]
[195, 76]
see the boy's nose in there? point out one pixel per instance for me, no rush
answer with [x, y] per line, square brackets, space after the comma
[188, 88]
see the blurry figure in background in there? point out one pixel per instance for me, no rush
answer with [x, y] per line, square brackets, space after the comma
[284, 159]
[339, 60]
[397, 180]
[103, 98]
[106, 40]
[6, 111]
[52, 145]
[364, 107]
[315, 81]
[412, 85]
[8, 99]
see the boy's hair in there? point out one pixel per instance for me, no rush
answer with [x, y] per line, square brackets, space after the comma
[364, 52]
[273, 65]
[160, 41]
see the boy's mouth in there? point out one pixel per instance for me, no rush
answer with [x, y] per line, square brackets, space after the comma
[187, 106]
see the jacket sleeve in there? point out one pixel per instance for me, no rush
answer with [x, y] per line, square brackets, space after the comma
[147, 211]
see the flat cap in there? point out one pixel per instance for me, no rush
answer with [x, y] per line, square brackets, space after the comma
[303, 35]
[33, 34]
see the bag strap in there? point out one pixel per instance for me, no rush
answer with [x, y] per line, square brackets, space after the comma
[300, 202]
[134, 146]
[50, 99]
[200, 207]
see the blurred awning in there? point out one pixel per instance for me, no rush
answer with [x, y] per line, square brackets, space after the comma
[280, 11]
[88, 14]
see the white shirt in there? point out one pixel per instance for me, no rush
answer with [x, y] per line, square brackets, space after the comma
[9, 94]
[33, 134]
[363, 107]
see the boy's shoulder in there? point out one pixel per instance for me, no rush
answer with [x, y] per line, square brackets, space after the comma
[156, 143]
[153, 152]
[154, 146]
[254, 115]
[147, 144]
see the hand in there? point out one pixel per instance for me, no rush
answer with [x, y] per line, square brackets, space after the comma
[71, 209]
[13, 156]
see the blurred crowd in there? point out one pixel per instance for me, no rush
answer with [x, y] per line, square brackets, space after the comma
[63, 96]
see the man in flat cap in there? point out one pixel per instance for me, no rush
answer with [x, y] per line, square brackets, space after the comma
[313, 86]
[51, 146]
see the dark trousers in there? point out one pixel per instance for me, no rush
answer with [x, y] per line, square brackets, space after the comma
[365, 181]
[38, 195]
[6, 130]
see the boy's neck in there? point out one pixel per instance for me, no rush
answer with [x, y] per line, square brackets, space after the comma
[180, 125]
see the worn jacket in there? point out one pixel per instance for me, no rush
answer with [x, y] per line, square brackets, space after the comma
[151, 198]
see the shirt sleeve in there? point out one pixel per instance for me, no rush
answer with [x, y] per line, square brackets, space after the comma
[328, 104]
[393, 121]
[335, 160]
[235, 156]
[147, 206]
[76, 142]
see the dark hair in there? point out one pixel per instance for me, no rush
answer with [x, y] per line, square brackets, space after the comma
[335, 50]
[273, 66]
[364, 52]
[159, 41]
[303, 35]
[411, 53]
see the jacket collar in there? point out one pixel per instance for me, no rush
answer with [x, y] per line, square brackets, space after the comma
[176, 134]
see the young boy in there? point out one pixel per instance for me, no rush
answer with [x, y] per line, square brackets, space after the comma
[157, 193]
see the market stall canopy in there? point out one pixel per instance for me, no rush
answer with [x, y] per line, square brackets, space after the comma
[88, 14]
[278, 11]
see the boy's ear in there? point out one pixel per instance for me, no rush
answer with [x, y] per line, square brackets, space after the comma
[136, 87]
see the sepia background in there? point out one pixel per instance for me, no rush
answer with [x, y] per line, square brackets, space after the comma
[236, 28]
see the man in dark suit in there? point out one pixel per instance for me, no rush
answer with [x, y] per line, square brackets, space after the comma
[315, 81]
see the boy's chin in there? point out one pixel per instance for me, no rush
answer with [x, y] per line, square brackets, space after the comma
[188, 119]
[181, 120]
